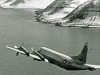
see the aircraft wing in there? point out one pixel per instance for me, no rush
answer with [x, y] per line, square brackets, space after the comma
[31, 55]
[94, 66]
[15, 49]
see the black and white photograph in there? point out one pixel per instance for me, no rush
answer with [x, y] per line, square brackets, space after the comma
[49, 37]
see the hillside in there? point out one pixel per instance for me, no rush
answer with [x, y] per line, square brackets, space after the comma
[25, 3]
[86, 15]
[57, 10]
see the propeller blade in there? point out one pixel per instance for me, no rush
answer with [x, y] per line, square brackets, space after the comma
[22, 44]
[32, 49]
[17, 53]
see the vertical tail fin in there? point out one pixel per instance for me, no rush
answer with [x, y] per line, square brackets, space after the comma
[83, 55]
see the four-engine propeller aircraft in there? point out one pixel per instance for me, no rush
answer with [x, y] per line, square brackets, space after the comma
[69, 63]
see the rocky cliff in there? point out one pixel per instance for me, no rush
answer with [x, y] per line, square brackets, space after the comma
[72, 13]
[86, 15]
[57, 10]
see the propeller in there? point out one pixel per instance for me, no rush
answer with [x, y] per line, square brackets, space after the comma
[39, 55]
[22, 44]
[32, 49]
[33, 53]
[21, 48]
[17, 53]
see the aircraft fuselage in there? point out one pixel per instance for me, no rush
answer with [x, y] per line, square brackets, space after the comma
[77, 62]
[62, 60]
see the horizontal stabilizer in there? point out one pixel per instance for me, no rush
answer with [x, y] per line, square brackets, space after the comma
[94, 66]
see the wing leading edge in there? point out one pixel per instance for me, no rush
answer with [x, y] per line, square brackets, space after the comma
[17, 50]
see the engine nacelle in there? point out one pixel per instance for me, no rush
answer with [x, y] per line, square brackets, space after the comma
[39, 55]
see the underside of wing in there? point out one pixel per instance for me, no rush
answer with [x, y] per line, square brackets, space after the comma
[15, 49]
[94, 66]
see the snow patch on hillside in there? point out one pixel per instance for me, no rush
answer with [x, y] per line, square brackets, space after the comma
[7, 5]
[61, 10]
[26, 4]
[2, 1]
